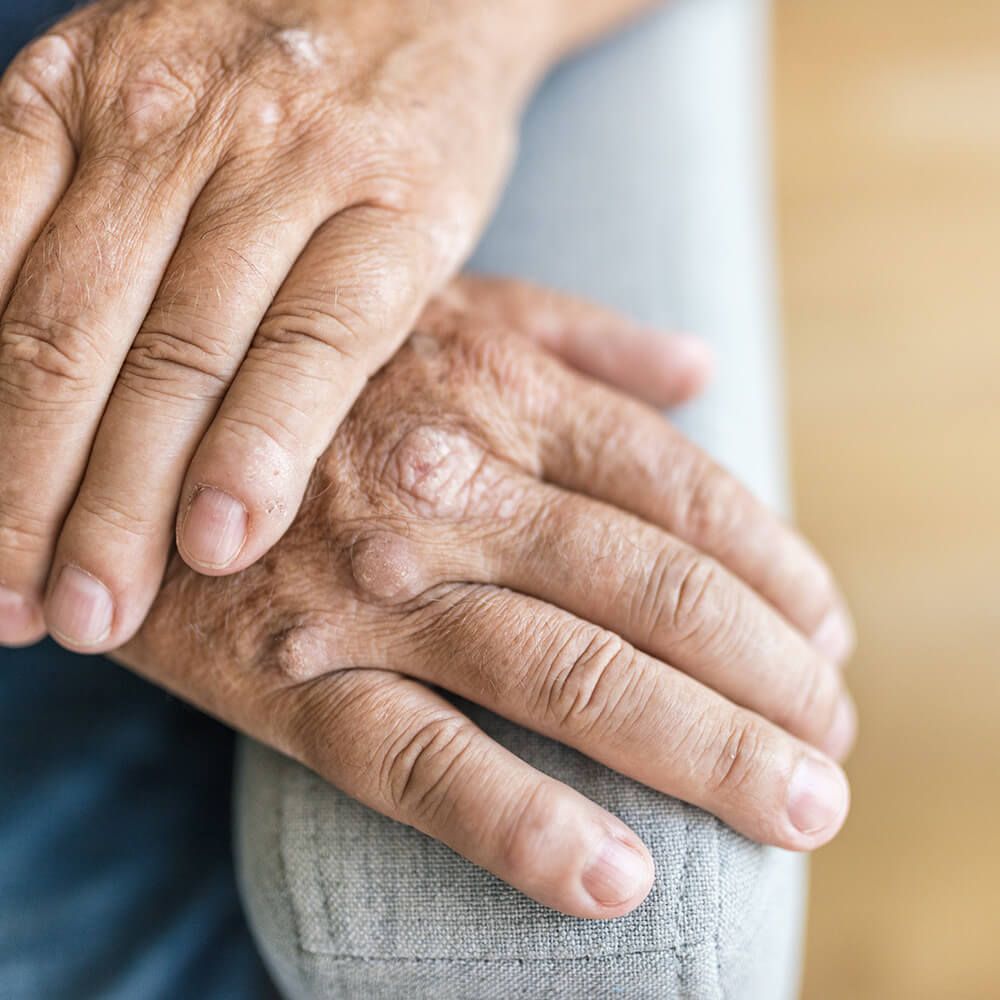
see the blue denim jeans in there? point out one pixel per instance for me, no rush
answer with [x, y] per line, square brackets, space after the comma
[116, 876]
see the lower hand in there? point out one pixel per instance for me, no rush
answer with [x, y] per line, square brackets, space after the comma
[489, 523]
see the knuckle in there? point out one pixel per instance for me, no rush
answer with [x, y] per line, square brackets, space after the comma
[692, 603]
[300, 326]
[385, 568]
[263, 114]
[523, 853]
[22, 530]
[315, 722]
[650, 609]
[422, 764]
[267, 435]
[155, 100]
[45, 362]
[735, 756]
[298, 50]
[271, 113]
[814, 701]
[39, 83]
[162, 366]
[501, 366]
[499, 359]
[710, 507]
[393, 180]
[114, 516]
[298, 653]
[588, 682]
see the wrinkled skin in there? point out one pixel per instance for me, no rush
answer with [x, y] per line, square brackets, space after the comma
[490, 523]
[219, 217]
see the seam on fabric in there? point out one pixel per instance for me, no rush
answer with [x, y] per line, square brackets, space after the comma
[317, 874]
[286, 884]
[748, 942]
[618, 958]
[717, 936]
[683, 900]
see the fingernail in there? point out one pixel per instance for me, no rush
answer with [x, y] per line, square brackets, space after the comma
[214, 529]
[81, 608]
[843, 731]
[835, 636]
[617, 874]
[817, 796]
[17, 617]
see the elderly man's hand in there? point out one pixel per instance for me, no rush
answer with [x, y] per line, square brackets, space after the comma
[219, 217]
[490, 523]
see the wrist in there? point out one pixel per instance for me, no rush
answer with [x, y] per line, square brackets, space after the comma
[528, 37]
[512, 43]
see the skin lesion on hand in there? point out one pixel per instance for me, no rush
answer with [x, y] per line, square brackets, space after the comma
[386, 568]
[448, 476]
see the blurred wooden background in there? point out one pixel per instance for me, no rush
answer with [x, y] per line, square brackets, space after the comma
[888, 158]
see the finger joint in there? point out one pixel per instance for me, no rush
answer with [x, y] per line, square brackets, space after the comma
[422, 765]
[38, 85]
[587, 682]
[45, 362]
[164, 367]
[735, 758]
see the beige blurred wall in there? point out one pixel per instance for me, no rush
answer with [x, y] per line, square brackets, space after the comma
[888, 160]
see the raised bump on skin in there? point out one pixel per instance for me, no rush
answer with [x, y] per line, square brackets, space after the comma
[385, 568]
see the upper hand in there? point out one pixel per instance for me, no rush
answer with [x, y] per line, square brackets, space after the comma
[490, 523]
[219, 218]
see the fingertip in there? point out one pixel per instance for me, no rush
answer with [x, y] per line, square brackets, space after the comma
[835, 636]
[21, 620]
[690, 365]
